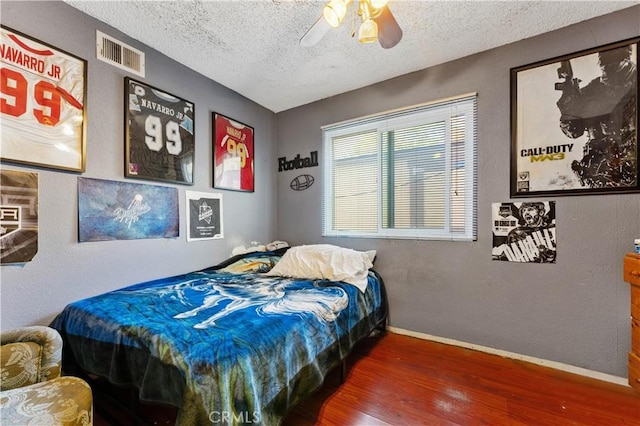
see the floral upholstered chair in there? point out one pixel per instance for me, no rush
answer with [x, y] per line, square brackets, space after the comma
[32, 391]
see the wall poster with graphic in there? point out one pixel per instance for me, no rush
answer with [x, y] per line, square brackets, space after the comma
[18, 216]
[43, 104]
[574, 123]
[111, 210]
[204, 216]
[524, 231]
[233, 154]
[159, 134]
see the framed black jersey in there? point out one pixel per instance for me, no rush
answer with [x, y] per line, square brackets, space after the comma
[159, 134]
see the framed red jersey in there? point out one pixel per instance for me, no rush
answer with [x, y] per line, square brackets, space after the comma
[159, 134]
[233, 154]
[43, 98]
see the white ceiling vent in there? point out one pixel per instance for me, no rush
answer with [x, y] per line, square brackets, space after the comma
[118, 54]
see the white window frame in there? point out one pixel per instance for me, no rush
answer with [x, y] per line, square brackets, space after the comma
[399, 119]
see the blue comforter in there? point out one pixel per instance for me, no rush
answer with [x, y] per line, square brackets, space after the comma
[225, 348]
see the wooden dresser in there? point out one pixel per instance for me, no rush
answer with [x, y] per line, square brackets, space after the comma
[632, 276]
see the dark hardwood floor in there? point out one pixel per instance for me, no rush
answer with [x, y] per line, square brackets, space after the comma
[399, 380]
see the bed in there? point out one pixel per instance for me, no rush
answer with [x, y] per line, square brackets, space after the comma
[238, 343]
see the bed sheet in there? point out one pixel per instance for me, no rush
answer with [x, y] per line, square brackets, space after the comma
[223, 347]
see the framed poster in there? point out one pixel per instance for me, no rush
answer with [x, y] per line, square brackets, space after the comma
[43, 104]
[18, 216]
[204, 216]
[574, 123]
[233, 162]
[159, 134]
[524, 231]
[112, 210]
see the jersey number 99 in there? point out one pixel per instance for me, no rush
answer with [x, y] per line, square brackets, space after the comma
[15, 90]
[238, 149]
[155, 135]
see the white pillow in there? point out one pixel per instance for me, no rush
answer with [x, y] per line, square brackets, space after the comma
[325, 261]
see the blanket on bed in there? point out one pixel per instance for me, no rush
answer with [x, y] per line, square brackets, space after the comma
[226, 348]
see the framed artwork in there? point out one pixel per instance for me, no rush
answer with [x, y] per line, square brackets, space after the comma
[159, 134]
[233, 161]
[204, 216]
[43, 104]
[574, 123]
[18, 216]
[112, 210]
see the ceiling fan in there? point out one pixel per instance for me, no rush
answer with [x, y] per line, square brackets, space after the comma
[377, 22]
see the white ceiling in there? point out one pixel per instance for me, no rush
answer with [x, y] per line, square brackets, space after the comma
[252, 46]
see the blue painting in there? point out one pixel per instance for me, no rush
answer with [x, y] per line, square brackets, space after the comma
[110, 210]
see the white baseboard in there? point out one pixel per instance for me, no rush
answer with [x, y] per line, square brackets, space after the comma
[546, 363]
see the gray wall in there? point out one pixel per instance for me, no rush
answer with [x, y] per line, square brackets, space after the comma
[575, 311]
[64, 270]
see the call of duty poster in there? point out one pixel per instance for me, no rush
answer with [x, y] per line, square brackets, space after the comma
[524, 232]
[574, 123]
[19, 216]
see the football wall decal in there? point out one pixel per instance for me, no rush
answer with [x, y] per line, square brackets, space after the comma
[302, 182]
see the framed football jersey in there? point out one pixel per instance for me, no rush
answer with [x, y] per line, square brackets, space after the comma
[43, 103]
[159, 134]
[233, 155]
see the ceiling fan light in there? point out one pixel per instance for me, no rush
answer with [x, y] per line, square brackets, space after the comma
[335, 11]
[368, 32]
[378, 4]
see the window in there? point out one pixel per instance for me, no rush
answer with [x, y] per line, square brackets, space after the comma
[408, 173]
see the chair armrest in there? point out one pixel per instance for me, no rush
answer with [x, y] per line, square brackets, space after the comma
[50, 341]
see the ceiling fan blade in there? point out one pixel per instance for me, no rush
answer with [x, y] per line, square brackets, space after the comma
[389, 32]
[315, 33]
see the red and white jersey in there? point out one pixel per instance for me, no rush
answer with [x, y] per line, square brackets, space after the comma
[233, 154]
[42, 102]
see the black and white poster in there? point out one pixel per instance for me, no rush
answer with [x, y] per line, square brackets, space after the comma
[204, 216]
[574, 123]
[159, 134]
[524, 231]
[18, 216]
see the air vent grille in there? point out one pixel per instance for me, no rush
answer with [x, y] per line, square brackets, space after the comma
[119, 54]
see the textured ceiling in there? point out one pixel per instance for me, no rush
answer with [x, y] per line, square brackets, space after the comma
[252, 46]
